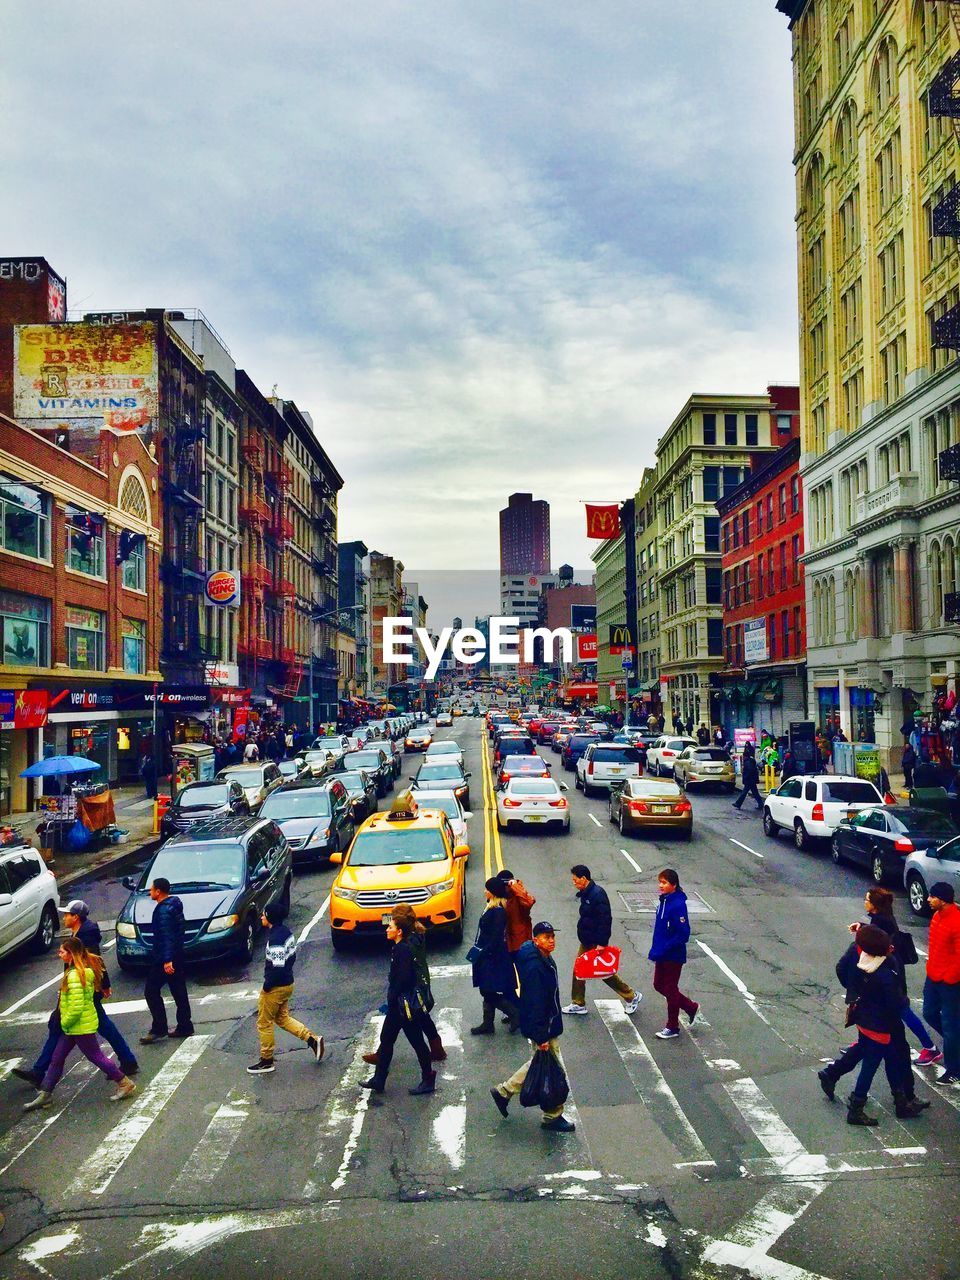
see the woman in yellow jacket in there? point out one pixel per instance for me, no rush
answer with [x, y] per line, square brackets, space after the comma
[82, 975]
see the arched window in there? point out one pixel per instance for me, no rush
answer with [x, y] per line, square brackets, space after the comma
[936, 583]
[831, 611]
[850, 605]
[950, 566]
[133, 496]
[928, 21]
[884, 83]
[813, 185]
[845, 138]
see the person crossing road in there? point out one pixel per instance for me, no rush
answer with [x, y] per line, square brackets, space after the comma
[668, 951]
[593, 930]
[167, 966]
[273, 1009]
[749, 777]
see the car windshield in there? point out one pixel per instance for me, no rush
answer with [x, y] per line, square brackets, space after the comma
[388, 848]
[429, 772]
[849, 793]
[446, 804]
[365, 759]
[924, 822]
[711, 753]
[534, 787]
[245, 775]
[641, 788]
[197, 797]
[198, 866]
[518, 764]
[442, 748]
[516, 747]
[330, 744]
[310, 802]
[616, 755]
[352, 781]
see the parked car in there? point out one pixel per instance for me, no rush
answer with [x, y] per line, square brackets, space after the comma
[926, 867]
[448, 775]
[445, 748]
[663, 753]
[361, 793]
[28, 900]
[257, 780]
[642, 804]
[373, 759]
[315, 818]
[605, 763]
[881, 839]
[225, 872]
[201, 801]
[538, 801]
[447, 803]
[813, 807]
[574, 748]
[705, 766]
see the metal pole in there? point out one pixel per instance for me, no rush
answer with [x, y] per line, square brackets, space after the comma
[313, 635]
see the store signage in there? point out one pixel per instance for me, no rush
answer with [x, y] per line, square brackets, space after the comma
[755, 641]
[587, 648]
[225, 673]
[231, 697]
[187, 696]
[88, 699]
[621, 640]
[23, 708]
[223, 587]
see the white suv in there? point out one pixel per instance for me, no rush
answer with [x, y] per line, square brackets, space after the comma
[662, 754]
[28, 900]
[813, 807]
[605, 763]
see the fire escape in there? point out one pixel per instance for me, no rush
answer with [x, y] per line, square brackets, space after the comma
[182, 568]
[255, 516]
[281, 588]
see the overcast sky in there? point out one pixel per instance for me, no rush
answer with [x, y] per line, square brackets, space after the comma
[489, 246]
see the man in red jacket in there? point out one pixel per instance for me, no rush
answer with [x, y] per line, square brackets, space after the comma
[941, 992]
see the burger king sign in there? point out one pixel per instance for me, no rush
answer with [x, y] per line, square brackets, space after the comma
[223, 587]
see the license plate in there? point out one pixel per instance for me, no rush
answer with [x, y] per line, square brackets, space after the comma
[661, 808]
[535, 817]
[386, 918]
[616, 769]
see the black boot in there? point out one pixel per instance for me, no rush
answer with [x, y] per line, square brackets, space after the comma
[486, 1027]
[827, 1083]
[374, 1084]
[856, 1113]
[427, 1085]
[908, 1108]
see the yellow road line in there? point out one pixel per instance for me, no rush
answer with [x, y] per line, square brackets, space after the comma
[490, 813]
[487, 838]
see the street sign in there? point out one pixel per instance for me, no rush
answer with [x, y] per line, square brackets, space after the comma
[627, 663]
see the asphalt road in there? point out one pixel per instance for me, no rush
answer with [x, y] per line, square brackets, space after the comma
[708, 1156]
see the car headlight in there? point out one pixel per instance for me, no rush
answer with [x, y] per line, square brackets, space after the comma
[126, 930]
[348, 895]
[219, 924]
[444, 886]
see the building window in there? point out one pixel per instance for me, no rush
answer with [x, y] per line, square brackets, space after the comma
[853, 400]
[711, 484]
[134, 572]
[85, 639]
[759, 518]
[851, 315]
[785, 632]
[794, 495]
[890, 271]
[798, 630]
[709, 428]
[885, 86]
[772, 639]
[729, 428]
[893, 358]
[713, 585]
[25, 628]
[796, 558]
[85, 543]
[760, 576]
[711, 533]
[848, 224]
[752, 428]
[745, 521]
[134, 633]
[24, 519]
[715, 637]
[888, 172]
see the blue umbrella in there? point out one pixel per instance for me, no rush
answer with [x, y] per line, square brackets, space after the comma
[56, 766]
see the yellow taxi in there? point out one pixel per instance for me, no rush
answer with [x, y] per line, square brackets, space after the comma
[407, 855]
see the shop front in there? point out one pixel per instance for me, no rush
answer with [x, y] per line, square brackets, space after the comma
[110, 725]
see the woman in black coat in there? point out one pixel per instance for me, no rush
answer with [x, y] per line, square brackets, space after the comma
[493, 971]
[403, 1013]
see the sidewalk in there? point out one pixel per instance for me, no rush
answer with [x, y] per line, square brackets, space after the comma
[134, 815]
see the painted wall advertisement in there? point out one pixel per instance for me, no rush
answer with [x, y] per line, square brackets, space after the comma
[755, 641]
[86, 376]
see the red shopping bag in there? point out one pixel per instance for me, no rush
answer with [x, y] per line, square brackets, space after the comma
[598, 962]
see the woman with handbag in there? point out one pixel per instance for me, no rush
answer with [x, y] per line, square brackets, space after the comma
[493, 971]
[403, 1013]
[418, 945]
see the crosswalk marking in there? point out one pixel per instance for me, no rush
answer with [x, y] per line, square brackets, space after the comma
[448, 1132]
[649, 1082]
[244, 995]
[345, 1110]
[210, 1154]
[765, 1123]
[749, 1244]
[7, 1065]
[99, 1169]
[15, 1141]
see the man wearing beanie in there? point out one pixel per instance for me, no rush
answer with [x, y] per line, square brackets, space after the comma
[941, 992]
[273, 1007]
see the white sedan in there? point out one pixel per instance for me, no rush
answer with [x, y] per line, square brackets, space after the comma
[533, 800]
[445, 748]
[444, 718]
[450, 805]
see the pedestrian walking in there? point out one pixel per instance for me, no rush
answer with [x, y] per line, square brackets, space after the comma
[518, 904]
[76, 917]
[593, 930]
[418, 945]
[82, 975]
[540, 1019]
[703, 735]
[668, 951]
[166, 966]
[400, 1014]
[251, 752]
[273, 1007]
[788, 767]
[941, 991]
[749, 777]
[493, 971]
[874, 993]
[148, 773]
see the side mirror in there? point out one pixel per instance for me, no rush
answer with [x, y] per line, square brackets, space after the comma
[564, 787]
[462, 851]
[6, 899]
[128, 882]
[548, 764]
[467, 816]
[336, 858]
[468, 775]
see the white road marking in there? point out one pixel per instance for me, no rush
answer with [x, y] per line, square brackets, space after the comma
[595, 820]
[115, 1007]
[449, 970]
[811, 1165]
[7, 1065]
[636, 865]
[305, 932]
[750, 1241]
[13, 1143]
[448, 1132]
[18, 1004]
[211, 1152]
[773, 1135]
[48, 1247]
[345, 1110]
[747, 847]
[741, 986]
[99, 1169]
[648, 1080]
[948, 1092]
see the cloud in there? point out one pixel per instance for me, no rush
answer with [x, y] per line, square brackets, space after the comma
[489, 247]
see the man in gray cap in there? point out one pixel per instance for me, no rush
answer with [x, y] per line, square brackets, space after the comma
[76, 918]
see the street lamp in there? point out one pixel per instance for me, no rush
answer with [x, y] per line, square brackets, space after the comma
[316, 619]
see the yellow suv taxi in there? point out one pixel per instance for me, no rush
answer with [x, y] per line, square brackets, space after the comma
[407, 855]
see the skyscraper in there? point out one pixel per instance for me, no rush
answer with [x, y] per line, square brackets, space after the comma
[525, 535]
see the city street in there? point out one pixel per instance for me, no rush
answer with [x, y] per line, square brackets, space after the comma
[712, 1155]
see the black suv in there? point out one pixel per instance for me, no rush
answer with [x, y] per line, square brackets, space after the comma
[315, 818]
[373, 760]
[224, 872]
[201, 802]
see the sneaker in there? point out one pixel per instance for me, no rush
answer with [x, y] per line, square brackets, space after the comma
[153, 1036]
[946, 1078]
[500, 1102]
[927, 1058]
[668, 1033]
[124, 1089]
[261, 1068]
[41, 1100]
[633, 1005]
[692, 1017]
[315, 1045]
[31, 1077]
[559, 1125]
[575, 1010]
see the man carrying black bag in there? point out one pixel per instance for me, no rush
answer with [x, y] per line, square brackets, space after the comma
[540, 1021]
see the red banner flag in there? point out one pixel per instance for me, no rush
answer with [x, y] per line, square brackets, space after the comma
[603, 521]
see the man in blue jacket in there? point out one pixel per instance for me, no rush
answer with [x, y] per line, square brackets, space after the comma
[671, 933]
[540, 1019]
[593, 930]
[167, 966]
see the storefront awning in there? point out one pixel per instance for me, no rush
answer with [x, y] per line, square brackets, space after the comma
[580, 691]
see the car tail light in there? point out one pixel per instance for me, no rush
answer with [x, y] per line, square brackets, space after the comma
[637, 806]
[816, 813]
[505, 777]
[590, 766]
[889, 799]
[511, 804]
[683, 807]
[665, 752]
[558, 804]
[903, 844]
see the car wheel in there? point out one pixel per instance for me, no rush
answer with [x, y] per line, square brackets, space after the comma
[456, 930]
[681, 780]
[877, 869]
[286, 892]
[248, 941]
[46, 930]
[576, 782]
[770, 828]
[126, 966]
[917, 896]
[836, 854]
[620, 825]
[610, 813]
[339, 939]
[800, 837]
